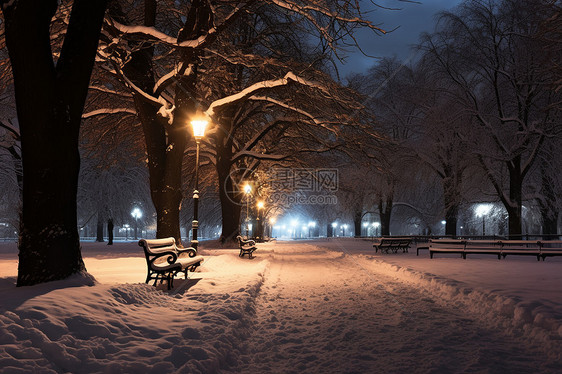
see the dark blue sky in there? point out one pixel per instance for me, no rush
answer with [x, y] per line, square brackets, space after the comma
[412, 19]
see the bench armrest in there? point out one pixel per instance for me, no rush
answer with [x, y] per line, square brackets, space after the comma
[191, 252]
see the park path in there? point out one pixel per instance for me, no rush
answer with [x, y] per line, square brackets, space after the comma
[322, 311]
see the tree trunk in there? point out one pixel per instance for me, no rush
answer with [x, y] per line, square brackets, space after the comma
[99, 228]
[385, 211]
[357, 223]
[514, 206]
[49, 101]
[229, 198]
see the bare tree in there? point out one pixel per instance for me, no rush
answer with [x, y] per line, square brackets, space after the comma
[487, 52]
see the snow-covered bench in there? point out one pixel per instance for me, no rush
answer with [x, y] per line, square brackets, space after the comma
[500, 248]
[246, 247]
[165, 260]
[388, 245]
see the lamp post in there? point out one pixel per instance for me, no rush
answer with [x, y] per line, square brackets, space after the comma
[481, 211]
[344, 227]
[271, 224]
[376, 225]
[199, 126]
[311, 225]
[247, 191]
[136, 213]
[366, 228]
[334, 225]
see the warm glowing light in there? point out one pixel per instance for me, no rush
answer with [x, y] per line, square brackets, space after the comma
[260, 204]
[335, 224]
[247, 188]
[376, 224]
[272, 220]
[365, 224]
[199, 125]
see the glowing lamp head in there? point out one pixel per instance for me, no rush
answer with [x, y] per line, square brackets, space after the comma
[260, 204]
[136, 213]
[272, 220]
[247, 188]
[334, 225]
[199, 125]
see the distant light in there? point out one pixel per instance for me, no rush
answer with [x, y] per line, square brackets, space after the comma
[345, 226]
[312, 224]
[272, 220]
[294, 222]
[335, 224]
[247, 188]
[376, 224]
[136, 213]
[443, 222]
[304, 228]
[260, 204]
[365, 224]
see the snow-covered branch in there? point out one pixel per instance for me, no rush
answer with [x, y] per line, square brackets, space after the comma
[107, 111]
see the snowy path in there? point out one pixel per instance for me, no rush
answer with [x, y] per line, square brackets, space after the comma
[321, 311]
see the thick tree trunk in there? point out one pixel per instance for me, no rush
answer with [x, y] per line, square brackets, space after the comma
[357, 223]
[385, 212]
[230, 200]
[99, 228]
[49, 101]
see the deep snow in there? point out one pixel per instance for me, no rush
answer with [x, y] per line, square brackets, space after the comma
[326, 306]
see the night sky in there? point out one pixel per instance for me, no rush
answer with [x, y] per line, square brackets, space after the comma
[411, 20]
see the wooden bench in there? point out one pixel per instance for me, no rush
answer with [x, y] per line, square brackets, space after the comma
[247, 247]
[165, 260]
[387, 245]
[550, 248]
[500, 248]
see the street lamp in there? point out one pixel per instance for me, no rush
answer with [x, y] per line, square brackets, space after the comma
[481, 211]
[344, 227]
[376, 225]
[311, 225]
[199, 126]
[247, 191]
[136, 213]
[271, 224]
[366, 228]
[334, 225]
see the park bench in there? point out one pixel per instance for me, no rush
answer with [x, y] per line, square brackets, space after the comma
[165, 260]
[387, 245]
[550, 248]
[246, 247]
[500, 248]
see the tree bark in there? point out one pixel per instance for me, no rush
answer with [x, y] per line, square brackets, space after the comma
[49, 101]
[385, 212]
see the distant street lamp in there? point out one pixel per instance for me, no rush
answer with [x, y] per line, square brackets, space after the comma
[481, 211]
[247, 191]
[199, 126]
[311, 225]
[366, 228]
[334, 225]
[344, 227]
[272, 221]
[136, 213]
[126, 226]
[376, 225]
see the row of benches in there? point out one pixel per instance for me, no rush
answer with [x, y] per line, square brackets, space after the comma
[500, 248]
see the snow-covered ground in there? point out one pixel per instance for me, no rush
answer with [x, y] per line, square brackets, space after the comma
[330, 306]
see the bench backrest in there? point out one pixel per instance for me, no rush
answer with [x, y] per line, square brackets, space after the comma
[157, 246]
